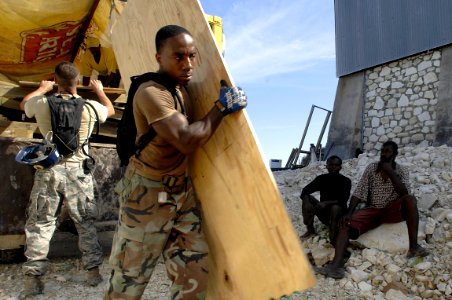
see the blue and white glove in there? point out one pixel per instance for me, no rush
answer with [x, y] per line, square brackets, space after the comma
[231, 99]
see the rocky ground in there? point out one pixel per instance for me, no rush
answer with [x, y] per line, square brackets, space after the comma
[382, 271]
[377, 268]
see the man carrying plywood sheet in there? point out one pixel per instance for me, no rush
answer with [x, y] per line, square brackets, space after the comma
[248, 230]
[159, 213]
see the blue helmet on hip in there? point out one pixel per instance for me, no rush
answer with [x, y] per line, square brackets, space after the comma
[41, 156]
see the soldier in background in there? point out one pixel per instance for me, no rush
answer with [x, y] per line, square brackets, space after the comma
[68, 178]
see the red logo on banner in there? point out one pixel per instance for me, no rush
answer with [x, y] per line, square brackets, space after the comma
[43, 44]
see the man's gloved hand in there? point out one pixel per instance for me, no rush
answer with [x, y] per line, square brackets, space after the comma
[231, 99]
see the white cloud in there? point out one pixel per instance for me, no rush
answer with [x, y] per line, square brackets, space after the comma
[270, 37]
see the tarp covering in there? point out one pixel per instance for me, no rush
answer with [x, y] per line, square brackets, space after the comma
[36, 35]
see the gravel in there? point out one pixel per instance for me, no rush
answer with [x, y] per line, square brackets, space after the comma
[371, 273]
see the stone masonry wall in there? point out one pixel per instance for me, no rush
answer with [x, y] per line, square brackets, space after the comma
[400, 101]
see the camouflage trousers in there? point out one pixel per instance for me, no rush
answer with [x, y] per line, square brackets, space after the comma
[50, 187]
[149, 226]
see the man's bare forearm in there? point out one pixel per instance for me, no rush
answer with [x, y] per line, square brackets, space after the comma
[44, 87]
[98, 88]
[200, 132]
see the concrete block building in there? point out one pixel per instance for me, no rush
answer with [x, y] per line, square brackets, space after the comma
[394, 63]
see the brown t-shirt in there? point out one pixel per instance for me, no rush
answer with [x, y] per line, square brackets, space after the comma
[159, 157]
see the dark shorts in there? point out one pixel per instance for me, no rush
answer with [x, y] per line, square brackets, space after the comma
[366, 219]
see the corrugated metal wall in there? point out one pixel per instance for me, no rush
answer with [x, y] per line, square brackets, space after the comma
[373, 32]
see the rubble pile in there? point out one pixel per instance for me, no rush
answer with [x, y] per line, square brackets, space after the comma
[378, 268]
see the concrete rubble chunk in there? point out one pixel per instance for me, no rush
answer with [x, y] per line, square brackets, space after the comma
[389, 237]
[358, 275]
[424, 266]
[395, 295]
[364, 286]
[322, 255]
[392, 268]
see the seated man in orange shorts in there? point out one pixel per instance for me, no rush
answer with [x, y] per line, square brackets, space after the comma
[384, 186]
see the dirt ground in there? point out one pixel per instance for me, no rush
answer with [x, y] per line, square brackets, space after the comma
[65, 280]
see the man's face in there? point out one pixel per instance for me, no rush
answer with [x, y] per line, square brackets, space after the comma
[333, 166]
[177, 58]
[387, 154]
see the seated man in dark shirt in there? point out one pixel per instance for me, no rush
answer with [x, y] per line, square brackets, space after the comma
[334, 191]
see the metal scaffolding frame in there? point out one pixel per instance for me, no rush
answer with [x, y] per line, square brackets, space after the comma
[295, 154]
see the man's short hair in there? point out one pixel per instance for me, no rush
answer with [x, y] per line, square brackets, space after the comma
[333, 158]
[167, 32]
[393, 145]
[67, 74]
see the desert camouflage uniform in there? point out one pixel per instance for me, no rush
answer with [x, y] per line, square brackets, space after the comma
[148, 228]
[50, 185]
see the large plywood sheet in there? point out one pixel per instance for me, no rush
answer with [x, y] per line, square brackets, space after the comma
[255, 253]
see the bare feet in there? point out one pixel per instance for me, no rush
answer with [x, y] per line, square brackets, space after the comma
[331, 271]
[417, 252]
[307, 235]
[347, 255]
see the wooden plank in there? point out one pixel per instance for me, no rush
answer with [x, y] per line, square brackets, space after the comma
[19, 91]
[11, 96]
[10, 103]
[11, 241]
[107, 90]
[255, 253]
[17, 129]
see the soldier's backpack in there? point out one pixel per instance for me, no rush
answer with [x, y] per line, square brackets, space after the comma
[127, 130]
[66, 116]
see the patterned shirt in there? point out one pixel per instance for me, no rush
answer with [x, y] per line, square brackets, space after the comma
[375, 190]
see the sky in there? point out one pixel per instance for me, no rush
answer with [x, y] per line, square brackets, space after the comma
[282, 53]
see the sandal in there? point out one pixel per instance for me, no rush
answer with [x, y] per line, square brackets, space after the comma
[329, 271]
[417, 252]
